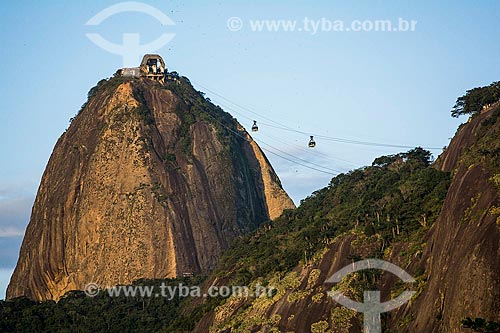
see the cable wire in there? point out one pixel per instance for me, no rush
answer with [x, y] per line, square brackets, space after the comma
[287, 143]
[322, 137]
[283, 157]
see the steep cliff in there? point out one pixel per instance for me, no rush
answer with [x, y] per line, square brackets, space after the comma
[149, 181]
[462, 257]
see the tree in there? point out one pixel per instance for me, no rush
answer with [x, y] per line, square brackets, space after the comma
[475, 99]
[419, 155]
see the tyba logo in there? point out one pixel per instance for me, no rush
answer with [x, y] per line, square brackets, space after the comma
[371, 306]
[131, 50]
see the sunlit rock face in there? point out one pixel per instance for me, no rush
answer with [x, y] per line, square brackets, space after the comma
[149, 181]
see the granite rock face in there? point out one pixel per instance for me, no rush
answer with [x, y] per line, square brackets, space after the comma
[462, 258]
[149, 181]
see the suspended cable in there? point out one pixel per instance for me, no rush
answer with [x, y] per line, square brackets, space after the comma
[300, 159]
[276, 154]
[349, 141]
[310, 151]
[306, 166]
[238, 105]
[287, 143]
[322, 137]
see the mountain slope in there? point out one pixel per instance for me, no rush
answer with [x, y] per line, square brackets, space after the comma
[446, 235]
[382, 211]
[147, 182]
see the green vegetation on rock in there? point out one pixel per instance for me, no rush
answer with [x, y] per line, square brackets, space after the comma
[475, 99]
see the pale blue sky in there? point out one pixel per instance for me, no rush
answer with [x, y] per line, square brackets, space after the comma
[388, 87]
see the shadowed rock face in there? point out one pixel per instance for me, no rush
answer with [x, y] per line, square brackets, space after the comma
[462, 257]
[140, 186]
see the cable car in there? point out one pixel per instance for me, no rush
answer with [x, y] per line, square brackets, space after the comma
[312, 144]
[255, 128]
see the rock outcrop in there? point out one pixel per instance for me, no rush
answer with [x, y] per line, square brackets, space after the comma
[149, 181]
[462, 257]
